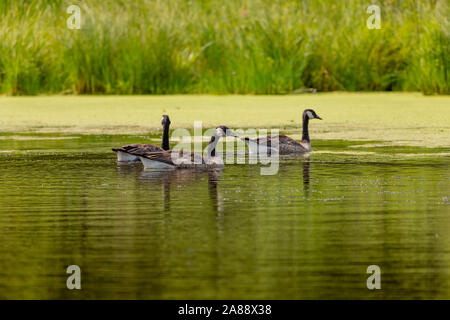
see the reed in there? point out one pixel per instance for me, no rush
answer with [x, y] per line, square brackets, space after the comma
[216, 47]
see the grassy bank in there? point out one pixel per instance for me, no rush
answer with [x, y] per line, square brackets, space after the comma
[201, 46]
[404, 119]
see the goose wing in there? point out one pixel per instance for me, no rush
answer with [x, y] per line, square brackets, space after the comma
[138, 148]
[160, 156]
[288, 141]
[175, 158]
[286, 144]
[282, 139]
[289, 145]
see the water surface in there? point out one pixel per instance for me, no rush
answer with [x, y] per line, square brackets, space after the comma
[308, 232]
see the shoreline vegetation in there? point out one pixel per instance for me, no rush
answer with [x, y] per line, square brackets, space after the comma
[409, 119]
[235, 47]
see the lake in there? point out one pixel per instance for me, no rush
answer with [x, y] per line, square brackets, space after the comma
[308, 232]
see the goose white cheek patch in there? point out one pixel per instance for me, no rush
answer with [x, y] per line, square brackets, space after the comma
[309, 114]
[219, 132]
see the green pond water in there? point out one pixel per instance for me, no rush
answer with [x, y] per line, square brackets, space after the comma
[308, 232]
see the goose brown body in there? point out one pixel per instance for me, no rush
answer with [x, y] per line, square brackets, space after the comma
[182, 159]
[285, 145]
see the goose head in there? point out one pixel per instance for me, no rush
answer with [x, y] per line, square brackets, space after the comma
[165, 120]
[223, 131]
[310, 114]
[220, 131]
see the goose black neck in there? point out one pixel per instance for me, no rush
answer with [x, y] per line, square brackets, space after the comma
[212, 145]
[165, 137]
[305, 136]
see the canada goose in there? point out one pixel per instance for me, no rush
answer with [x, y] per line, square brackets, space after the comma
[286, 145]
[172, 159]
[131, 152]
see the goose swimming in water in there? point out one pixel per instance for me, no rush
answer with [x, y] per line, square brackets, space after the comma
[131, 152]
[286, 145]
[173, 159]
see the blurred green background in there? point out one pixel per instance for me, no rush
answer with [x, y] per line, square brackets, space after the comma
[222, 47]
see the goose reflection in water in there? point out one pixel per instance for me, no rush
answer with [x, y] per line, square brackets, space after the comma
[216, 199]
[306, 165]
[170, 178]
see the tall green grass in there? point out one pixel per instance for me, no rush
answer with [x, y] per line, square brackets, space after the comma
[205, 46]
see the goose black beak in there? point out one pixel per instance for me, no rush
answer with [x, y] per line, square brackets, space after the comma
[317, 117]
[231, 134]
